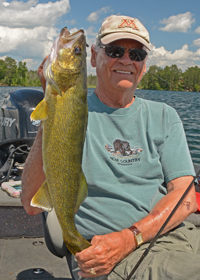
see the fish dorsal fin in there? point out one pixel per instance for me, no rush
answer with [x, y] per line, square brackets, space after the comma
[83, 192]
[42, 198]
[40, 112]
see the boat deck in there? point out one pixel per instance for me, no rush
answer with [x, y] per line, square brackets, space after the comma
[22, 245]
[19, 257]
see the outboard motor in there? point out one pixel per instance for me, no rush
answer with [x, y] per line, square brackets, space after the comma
[17, 132]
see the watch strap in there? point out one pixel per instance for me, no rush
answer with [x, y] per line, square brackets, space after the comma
[137, 234]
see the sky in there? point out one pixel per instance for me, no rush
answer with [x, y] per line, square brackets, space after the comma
[29, 28]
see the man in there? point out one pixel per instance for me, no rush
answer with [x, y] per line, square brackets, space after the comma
[137, 165]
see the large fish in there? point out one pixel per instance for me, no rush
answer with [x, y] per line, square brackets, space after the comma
[64, 114]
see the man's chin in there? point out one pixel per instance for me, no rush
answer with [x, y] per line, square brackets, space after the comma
[125, 85]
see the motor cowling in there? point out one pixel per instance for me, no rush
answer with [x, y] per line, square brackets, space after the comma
[17, 131]
[15, 124]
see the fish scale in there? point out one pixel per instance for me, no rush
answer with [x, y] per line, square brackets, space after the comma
[64, 113]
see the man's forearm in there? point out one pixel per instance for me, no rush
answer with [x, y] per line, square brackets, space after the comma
[33, 175]
[151, 224]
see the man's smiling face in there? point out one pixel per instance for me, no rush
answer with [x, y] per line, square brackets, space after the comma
[119, 74]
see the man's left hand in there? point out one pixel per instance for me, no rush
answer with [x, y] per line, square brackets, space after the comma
[106, 251]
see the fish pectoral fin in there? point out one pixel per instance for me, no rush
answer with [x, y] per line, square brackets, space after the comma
[83, 192]
[55, 89]
[40, 112]
[42, 198]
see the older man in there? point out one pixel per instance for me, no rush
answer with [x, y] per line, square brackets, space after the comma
[137, 165]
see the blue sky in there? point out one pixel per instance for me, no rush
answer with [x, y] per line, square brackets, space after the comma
[28, 28]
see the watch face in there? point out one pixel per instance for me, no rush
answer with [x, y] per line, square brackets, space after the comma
[139, 239]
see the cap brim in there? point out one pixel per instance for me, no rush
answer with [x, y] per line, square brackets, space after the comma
[119, 35]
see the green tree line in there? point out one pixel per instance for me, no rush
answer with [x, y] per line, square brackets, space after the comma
[171, 78]
[13, 74]
[156, 78]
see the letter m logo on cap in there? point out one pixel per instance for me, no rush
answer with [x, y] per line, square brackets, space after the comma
[128, 23]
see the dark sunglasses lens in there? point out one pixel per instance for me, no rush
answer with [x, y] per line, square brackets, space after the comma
[137, 55]
[114, 51]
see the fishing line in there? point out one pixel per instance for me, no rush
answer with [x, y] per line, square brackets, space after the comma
[168, 82]
[162, 227]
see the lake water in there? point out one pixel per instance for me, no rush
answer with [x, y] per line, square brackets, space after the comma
[187, 104]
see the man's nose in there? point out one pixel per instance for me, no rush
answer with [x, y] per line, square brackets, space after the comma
[125, 58]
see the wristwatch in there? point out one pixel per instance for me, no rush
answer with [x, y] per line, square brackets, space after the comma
[137, 234]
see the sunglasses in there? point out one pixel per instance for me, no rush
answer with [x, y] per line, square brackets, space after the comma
[118, 52]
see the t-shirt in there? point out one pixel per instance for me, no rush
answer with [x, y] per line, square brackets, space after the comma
[129, 156]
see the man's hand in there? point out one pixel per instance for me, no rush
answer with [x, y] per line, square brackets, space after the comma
[41, 74]
[106, 251]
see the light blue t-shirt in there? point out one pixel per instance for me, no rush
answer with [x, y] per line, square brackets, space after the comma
[129, 156]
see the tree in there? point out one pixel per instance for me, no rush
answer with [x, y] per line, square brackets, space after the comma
[10, 72]
[21, 73]
[150, 79]
[92, 80]
[2, 69]
[169, 78]
[192, 78]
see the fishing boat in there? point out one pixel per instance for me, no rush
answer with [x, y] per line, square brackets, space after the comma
[22, 237]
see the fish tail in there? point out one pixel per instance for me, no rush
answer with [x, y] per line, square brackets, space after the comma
[77, 243]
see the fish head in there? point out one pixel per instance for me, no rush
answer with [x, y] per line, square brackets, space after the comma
[69, 66]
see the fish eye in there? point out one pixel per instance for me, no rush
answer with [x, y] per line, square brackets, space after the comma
[77, 50]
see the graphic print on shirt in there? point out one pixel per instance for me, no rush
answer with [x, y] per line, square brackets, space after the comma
[122, 153]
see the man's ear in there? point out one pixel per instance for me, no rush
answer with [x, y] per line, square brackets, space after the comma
[93, 56]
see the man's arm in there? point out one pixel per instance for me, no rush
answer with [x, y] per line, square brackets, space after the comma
[107, 250]
[33, 175]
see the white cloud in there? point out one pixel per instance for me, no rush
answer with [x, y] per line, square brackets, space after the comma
[196, 42]
[95, 15]
[30, 63]
[183, 57]
[71, 22]
[35, 42]
[6, 4]
[73, 30]
[27, 30]
[89, 32]
[197, 30]
[180, 23]
[31, 14]
[3, 57]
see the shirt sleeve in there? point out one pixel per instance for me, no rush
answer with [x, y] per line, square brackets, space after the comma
[175, 157]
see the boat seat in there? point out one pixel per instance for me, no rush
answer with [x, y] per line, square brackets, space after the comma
[53, 234]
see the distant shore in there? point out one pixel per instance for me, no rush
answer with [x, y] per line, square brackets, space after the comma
[2, 85]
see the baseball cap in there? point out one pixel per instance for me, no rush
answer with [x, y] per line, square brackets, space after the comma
[123, 27]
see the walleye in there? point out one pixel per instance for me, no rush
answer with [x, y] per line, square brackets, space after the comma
[64, 114]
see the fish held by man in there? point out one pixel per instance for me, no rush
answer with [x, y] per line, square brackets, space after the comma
[64, 114]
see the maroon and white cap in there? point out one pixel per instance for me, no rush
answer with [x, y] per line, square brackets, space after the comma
[123, 27]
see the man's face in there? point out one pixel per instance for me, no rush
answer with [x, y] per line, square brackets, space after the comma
[120, 74]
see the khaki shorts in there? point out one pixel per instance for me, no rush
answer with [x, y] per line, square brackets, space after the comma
[175, 255]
